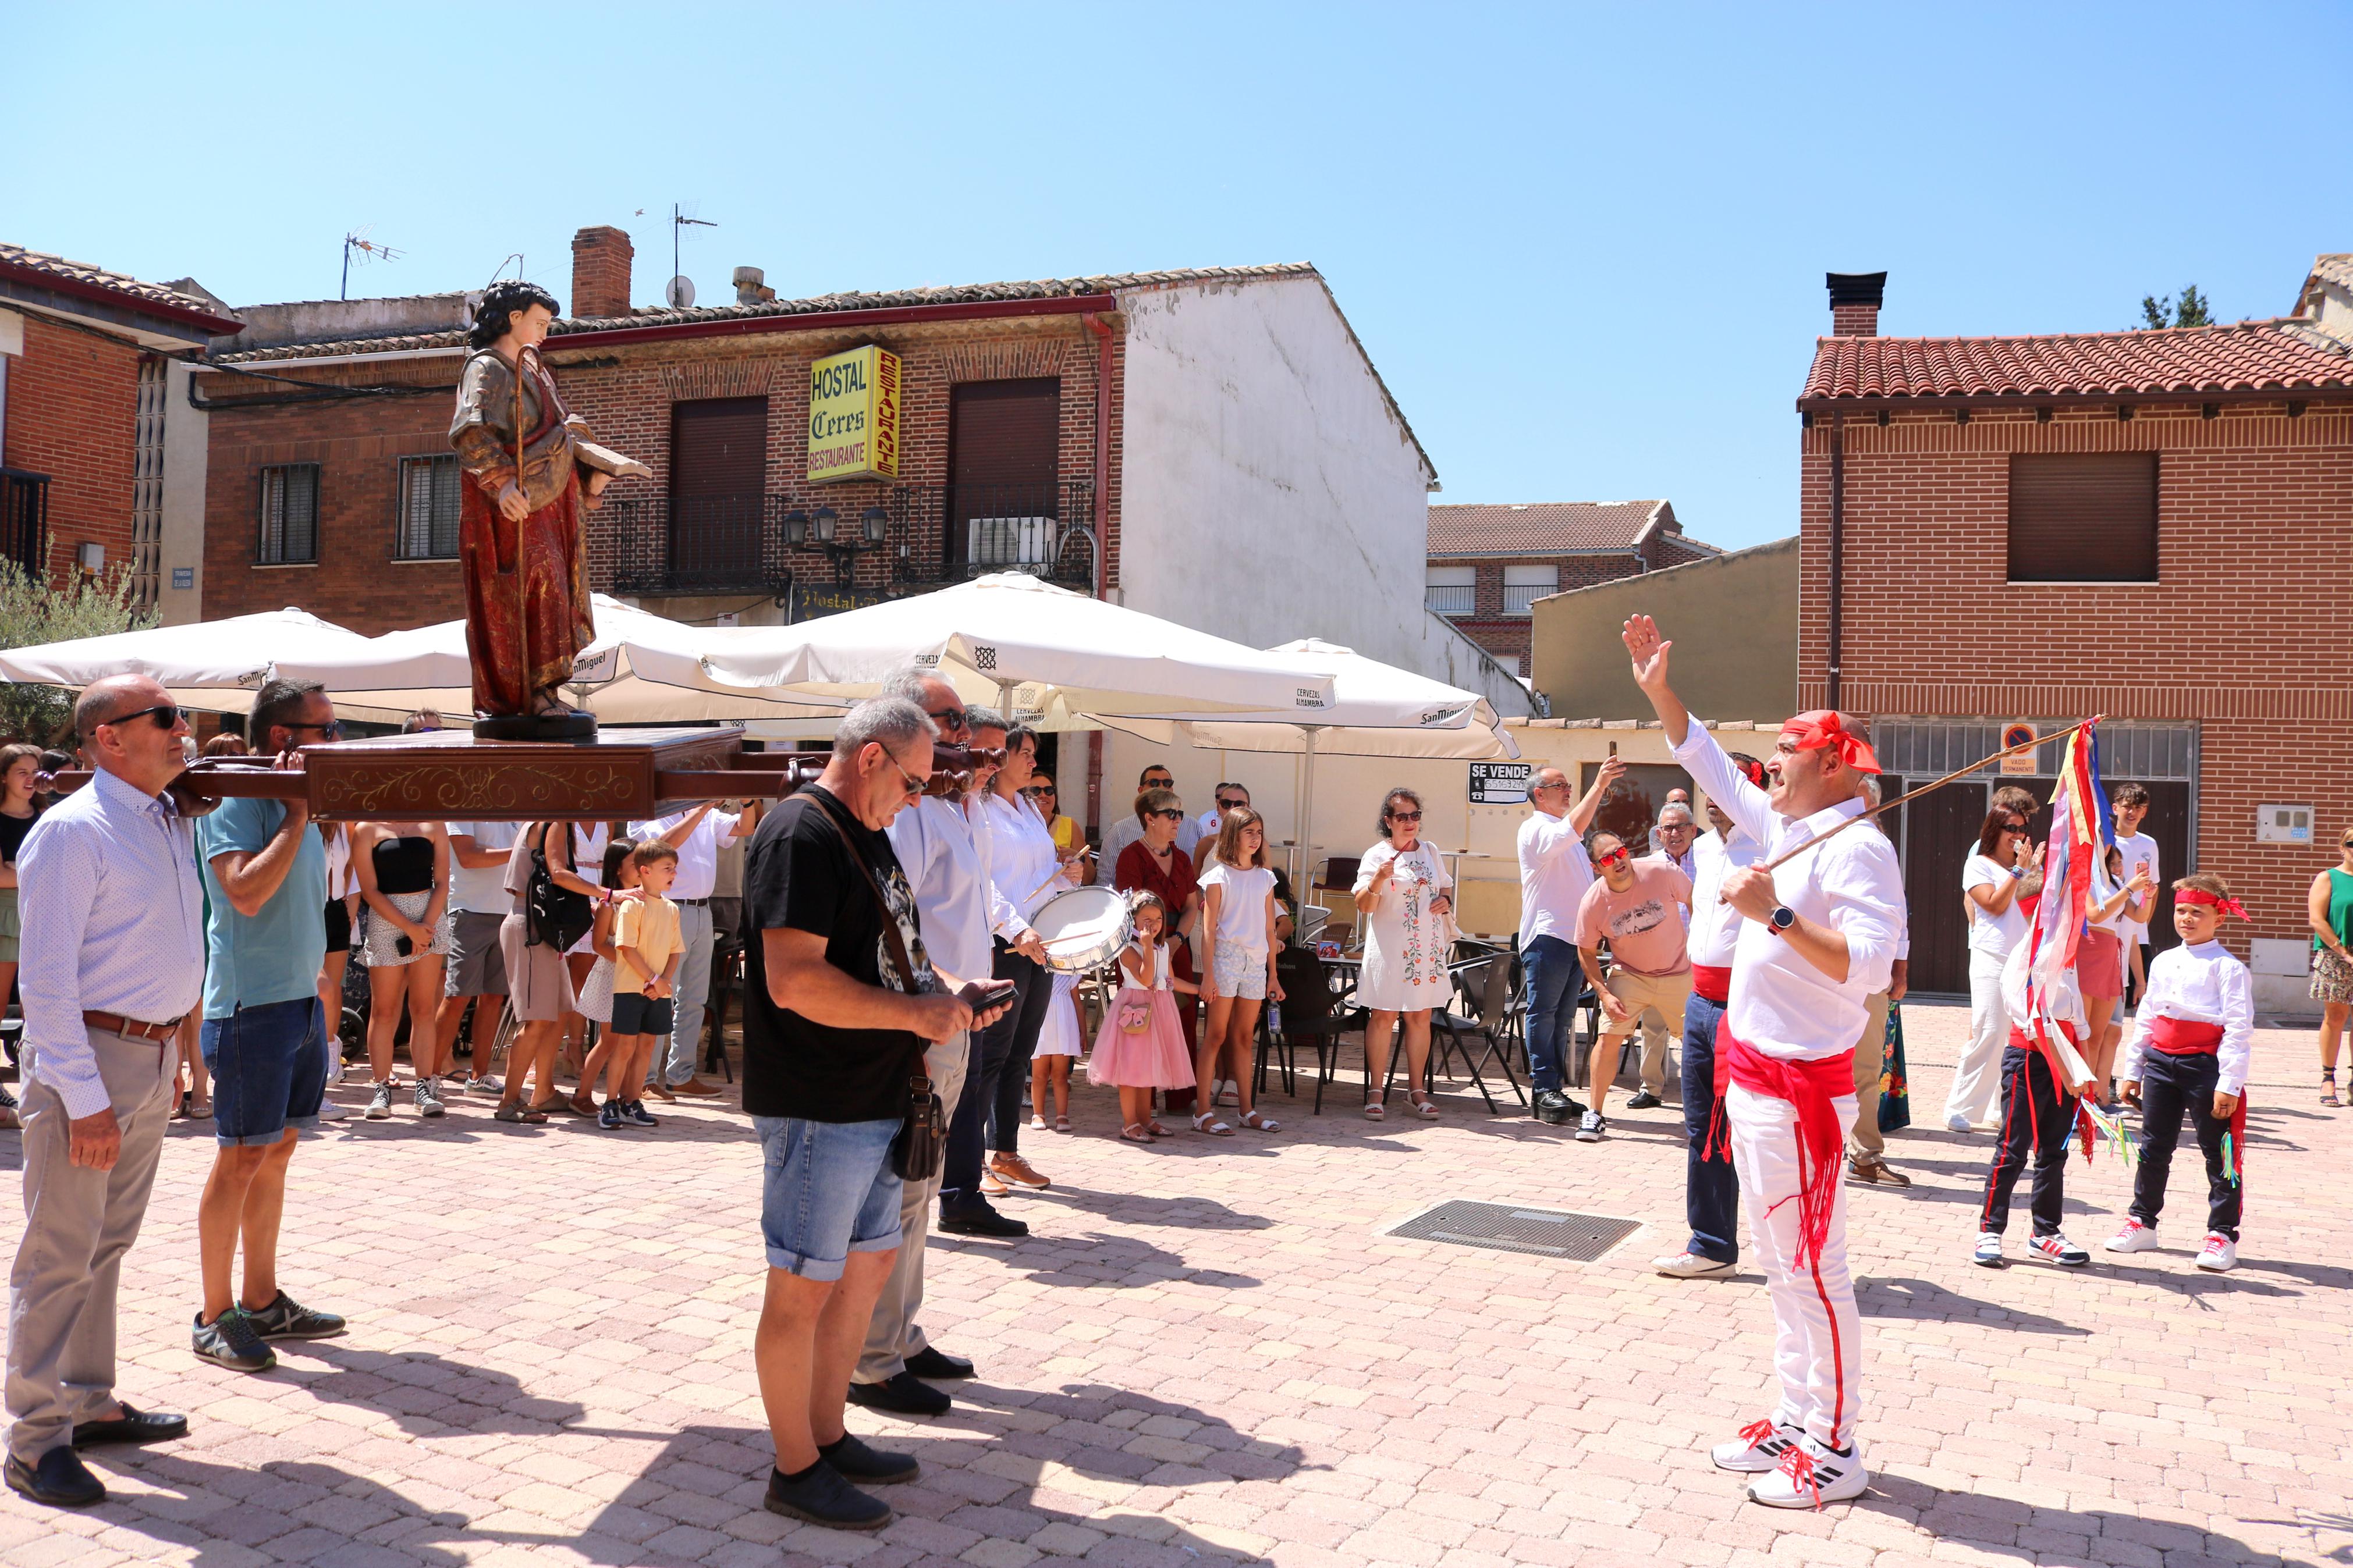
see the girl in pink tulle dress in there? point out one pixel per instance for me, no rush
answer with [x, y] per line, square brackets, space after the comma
[1142, 1046]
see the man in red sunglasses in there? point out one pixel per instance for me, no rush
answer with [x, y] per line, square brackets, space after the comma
[1819, 934]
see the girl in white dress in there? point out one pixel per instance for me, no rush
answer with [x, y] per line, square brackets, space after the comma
[1141, 1046]
[1403, 889]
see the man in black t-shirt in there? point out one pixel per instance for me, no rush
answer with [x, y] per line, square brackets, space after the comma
[840, 999]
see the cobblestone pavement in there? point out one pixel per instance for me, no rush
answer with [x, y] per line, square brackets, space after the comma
[1210, 1350]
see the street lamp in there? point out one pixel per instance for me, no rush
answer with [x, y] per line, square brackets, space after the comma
[821, 530]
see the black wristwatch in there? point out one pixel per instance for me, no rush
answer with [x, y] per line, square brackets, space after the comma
[1782, 918]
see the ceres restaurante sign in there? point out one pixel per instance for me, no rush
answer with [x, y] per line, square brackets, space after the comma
[853, 432]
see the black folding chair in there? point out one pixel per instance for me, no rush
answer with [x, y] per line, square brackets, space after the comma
[1499, 1018]
[1310, 1014]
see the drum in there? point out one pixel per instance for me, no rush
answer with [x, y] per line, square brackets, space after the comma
[1083, 929]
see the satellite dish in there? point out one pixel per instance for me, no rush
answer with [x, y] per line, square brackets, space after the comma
[680, 293]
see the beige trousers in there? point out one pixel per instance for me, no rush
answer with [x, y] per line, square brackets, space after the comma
[1866, 1142]
[894, 1335]
[79, 1222]
[1656, 1002]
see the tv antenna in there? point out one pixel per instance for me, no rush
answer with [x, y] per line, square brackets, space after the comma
[369, 249]
[680, 293]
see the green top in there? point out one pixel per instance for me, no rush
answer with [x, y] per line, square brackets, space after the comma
[2340, 908]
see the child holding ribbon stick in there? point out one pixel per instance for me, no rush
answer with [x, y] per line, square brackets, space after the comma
[2189, 1049]
[2039, 1083]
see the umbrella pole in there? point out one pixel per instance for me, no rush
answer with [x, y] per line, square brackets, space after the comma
[1307, 810]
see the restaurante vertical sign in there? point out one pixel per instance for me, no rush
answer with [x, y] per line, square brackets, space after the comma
[853, 430]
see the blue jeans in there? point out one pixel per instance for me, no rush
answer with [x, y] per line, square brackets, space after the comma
[827, 1190]
[270, 1071]
[1554, 982]
[1710, 1190]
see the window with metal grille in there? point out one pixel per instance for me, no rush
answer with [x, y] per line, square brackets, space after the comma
[428, 509]
[2082, 516]
[1452, 590]
[290, 515]
[1524, 585]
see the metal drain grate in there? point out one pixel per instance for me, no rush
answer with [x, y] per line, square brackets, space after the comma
[1511, 1227]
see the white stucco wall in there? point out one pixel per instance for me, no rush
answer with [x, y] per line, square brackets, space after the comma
[184, 457]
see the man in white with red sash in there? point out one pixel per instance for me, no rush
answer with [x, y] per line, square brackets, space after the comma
[1818, 936]
[2187, 1051]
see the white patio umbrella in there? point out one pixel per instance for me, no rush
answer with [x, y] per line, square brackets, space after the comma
[1007, 639]
[396, 674]
[1377, 710]
[213, 665]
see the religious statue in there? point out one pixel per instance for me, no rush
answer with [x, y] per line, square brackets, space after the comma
[533, 473]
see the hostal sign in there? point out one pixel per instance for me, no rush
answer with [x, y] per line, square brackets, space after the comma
[853, 430]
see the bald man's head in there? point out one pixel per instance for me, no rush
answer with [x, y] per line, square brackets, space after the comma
[105, 701]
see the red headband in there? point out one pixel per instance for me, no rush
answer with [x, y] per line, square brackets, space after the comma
[1753, 772]
[1823, 728]
[2201, 896]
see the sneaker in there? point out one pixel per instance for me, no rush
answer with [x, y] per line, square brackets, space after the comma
[428, 1097]
[1014, 1168]
[2059, 1250]
[991, 1183]
[1690, 1265]
[330, 1111]
[1590, 1127]
[1958, 1124]
[1812, 1474]
[2219, 1253]
[231, 1340]
[821, 1496]
[634, 1113]
[482, 1083]
[379, 1104]
[1757, 1450]
[1988, 1250]
[1555, 1108]
[2135, 1238]
[850, 1455]
[287, 1318]
[609, 1116]
[1644, 1101]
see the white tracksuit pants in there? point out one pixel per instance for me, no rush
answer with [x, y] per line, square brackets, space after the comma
[1818, 1348]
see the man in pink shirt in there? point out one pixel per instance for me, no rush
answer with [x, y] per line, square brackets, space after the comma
[1640, 907]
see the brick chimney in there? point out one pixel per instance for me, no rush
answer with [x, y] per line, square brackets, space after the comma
[600, 272]
[1854, 302]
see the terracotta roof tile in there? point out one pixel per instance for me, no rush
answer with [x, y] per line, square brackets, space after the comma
[2246, 356]
[1548, 527]
[40, 263]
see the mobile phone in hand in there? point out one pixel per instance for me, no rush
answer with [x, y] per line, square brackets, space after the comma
[404, 946]
[980, 995]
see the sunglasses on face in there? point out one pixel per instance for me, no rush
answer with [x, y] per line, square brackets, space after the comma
[167, 715]
[914, 785]
[1405, 816]
[1613, 856]
[949, 718]
[333, 730]
[2016, 829]
[1167, 813]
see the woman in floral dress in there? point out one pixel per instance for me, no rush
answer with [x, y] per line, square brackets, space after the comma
[1405, 895]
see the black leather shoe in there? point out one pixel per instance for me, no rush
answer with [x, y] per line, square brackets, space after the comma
[821, 1496]
[854, 1459]
[979, 1219]
[60, 1480]
[1555, 1108]
[1644, 1100]
[903, 1393]
[130, 1426]
[934, 1363]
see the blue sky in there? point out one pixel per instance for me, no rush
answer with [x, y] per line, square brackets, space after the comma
[1585, 246]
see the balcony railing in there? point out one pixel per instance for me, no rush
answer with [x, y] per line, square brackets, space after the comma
[1520, 598]
[25, 521]
[1451, 599]
[949, 534]
[664, 545]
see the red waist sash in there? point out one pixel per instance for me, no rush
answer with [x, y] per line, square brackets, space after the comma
[1714, 983]
[2185, 1036]
[1810, 1087]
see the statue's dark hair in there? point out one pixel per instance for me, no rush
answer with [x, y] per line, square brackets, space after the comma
[500, 302]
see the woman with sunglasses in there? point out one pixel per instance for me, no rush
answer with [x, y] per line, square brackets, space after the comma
[1403, 889]
[1990, 882]
[2330, 910]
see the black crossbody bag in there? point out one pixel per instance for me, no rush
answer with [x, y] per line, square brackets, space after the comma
[920, 1147]
[555, 916]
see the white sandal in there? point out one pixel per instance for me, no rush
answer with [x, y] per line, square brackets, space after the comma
[1207, 1123]
[1375, 1111]
[1424, 1107]
[1258, 1121]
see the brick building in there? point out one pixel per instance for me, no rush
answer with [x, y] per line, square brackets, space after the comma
[1201, 445]
[1488, 565]
[2150, 525]
[86, 374]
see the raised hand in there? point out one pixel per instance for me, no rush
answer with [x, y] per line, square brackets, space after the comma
[1648, 651]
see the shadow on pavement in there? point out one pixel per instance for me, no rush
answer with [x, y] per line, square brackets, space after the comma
[1929, 1302]
[2006, 1528]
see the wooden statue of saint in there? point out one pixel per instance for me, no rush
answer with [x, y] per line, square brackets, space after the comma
[532, 475]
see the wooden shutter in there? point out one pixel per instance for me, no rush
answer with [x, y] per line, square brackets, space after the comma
[2088, 517]
[718, 473]
[1002, 442]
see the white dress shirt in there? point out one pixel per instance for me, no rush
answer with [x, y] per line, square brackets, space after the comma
[1781, 1004]
[1714, 924]
[1554, 875]
[1022, 861]
[2196, 984]
[114, 920]
[698, 857]
[957, 902]
[2062, 999]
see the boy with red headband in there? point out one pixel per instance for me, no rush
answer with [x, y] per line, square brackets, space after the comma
[2187, 1050]
[1818, 936]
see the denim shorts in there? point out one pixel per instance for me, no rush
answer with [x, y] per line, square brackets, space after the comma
[270, 1071]
[634, 1013]
[827, 1190]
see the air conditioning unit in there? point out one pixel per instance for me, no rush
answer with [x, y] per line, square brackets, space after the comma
[1020, 542]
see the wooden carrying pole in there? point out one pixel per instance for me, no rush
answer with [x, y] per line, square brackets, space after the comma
[1913, 795]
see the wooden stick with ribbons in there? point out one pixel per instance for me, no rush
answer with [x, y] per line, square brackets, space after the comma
[1913, 795]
